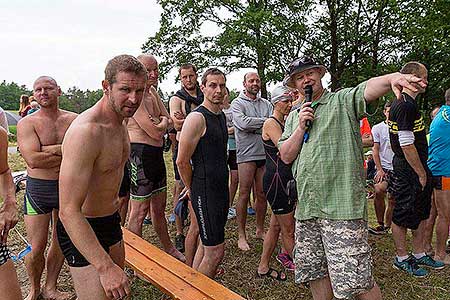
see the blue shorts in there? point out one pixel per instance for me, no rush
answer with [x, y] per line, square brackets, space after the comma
[41, 196]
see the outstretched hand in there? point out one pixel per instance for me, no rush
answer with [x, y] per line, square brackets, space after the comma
[409, 81]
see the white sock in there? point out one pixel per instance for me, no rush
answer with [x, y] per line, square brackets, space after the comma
[402, 258]
[419, 255]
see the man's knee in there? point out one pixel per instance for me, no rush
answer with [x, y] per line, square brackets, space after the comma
[215, 254]
[379, 188]
[138, 209]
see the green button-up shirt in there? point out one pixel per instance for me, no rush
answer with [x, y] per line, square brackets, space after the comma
[329, 168]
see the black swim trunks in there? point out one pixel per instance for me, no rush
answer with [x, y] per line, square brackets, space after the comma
[41, 196]
[412, 203]
[259, 163]
[232, 161]
[174, 160]
[126, 181]
[147, 170]
[107, 230]
[4, 254]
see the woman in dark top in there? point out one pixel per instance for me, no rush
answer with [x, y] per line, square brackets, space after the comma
[276, 176]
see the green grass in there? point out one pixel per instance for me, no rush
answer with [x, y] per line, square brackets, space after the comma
[240, 268]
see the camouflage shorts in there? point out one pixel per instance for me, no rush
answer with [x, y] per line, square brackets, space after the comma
[336, 248]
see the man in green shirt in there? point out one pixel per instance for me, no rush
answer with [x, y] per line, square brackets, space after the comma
[332, 252]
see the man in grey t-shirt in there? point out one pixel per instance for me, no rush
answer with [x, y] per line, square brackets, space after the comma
[382, 156]
[249, 113]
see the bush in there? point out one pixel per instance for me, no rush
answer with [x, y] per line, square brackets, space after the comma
[13, 133]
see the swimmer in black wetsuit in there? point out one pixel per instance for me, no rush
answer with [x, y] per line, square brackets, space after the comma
[204, 140]
[275, 179]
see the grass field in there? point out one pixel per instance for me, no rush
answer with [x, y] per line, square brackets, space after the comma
[240, 268]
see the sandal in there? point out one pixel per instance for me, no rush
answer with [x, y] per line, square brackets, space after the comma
[273, 274]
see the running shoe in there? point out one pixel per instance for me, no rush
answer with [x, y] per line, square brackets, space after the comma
[179, 242]
[286, 260]
[147, 221]
[428, 261]
[379, 230]
[231, 213]
[410, 266]
[251, 211]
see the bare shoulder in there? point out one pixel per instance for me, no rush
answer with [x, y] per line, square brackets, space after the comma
[68, 115]
[175, 100]
[194, 120]
[27, 122]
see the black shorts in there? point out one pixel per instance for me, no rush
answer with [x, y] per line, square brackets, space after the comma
[441, 183]
[174, 160]
[41, 196]
[259, 162]
[4, 254]
[232, 162]
[107, 230]
[412, 204]
[210, 204]
[147, 170]
[274, 188]
[126, 182]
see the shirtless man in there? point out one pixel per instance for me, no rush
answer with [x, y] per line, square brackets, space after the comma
[39, 137]
[94, 154]
[181, 104]
[8, 219]
[148, 171]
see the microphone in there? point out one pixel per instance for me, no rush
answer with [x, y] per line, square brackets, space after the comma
[308, 98]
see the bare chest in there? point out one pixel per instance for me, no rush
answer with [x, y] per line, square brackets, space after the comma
[114, 153]
[51, 132]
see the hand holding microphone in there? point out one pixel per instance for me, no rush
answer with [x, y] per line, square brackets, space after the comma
[308, 98]
[306, 113]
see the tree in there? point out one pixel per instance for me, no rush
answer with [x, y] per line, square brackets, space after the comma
[260, 34]
[10, 94]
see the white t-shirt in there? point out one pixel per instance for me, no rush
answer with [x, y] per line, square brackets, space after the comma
[380, 133]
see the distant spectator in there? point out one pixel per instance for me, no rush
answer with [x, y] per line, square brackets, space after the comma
[34, 107]
[24, 105]
[4, 120]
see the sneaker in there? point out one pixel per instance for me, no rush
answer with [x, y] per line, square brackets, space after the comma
[410, 266]
[251, 211]
[379, 230]
[179, 242]
[446, 259]
[286, 260]
[231, 213]
[171, 218]
[147, 221]
[430, 262]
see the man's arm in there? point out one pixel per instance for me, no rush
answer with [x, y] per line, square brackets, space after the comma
[52, 149]
[190, 135]
[162, 108]
[367, 140]
[76, 170]
[8, 211]
[30, 147]
[413, 159]
[176, 112]
[144, 121]
[381, 85]
[244, 122]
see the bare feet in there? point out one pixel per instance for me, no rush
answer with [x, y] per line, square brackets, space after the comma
[260, 234]
[33, 295]
[177, 254]
[55, 295]
[243, 244]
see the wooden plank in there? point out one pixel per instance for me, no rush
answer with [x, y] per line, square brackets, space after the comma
[165, 281]
[196, 279]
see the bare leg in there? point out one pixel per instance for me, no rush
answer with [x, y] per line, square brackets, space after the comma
[212, 257]
[176, 194]
[418, 243]
[373, 294]
[287, 231]
[55, 260]
[158, 205]
[9, 285]
[321, 289]
[198, 254]
[429, 226]
[390, 210]
[442, 199]
[234, 181]
[138, 211]
[37, 233]
[191, 237]
[399, 235]
[270, 242]
[260, 203]
[380, 206]
[246, 175]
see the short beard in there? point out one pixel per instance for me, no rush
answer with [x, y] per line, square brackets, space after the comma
[193, 88]
[251, 92]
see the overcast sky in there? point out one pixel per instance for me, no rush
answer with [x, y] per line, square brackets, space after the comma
[73, 40]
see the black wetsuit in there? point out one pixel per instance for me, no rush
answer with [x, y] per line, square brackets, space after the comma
[275, 178]
[209, 189]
